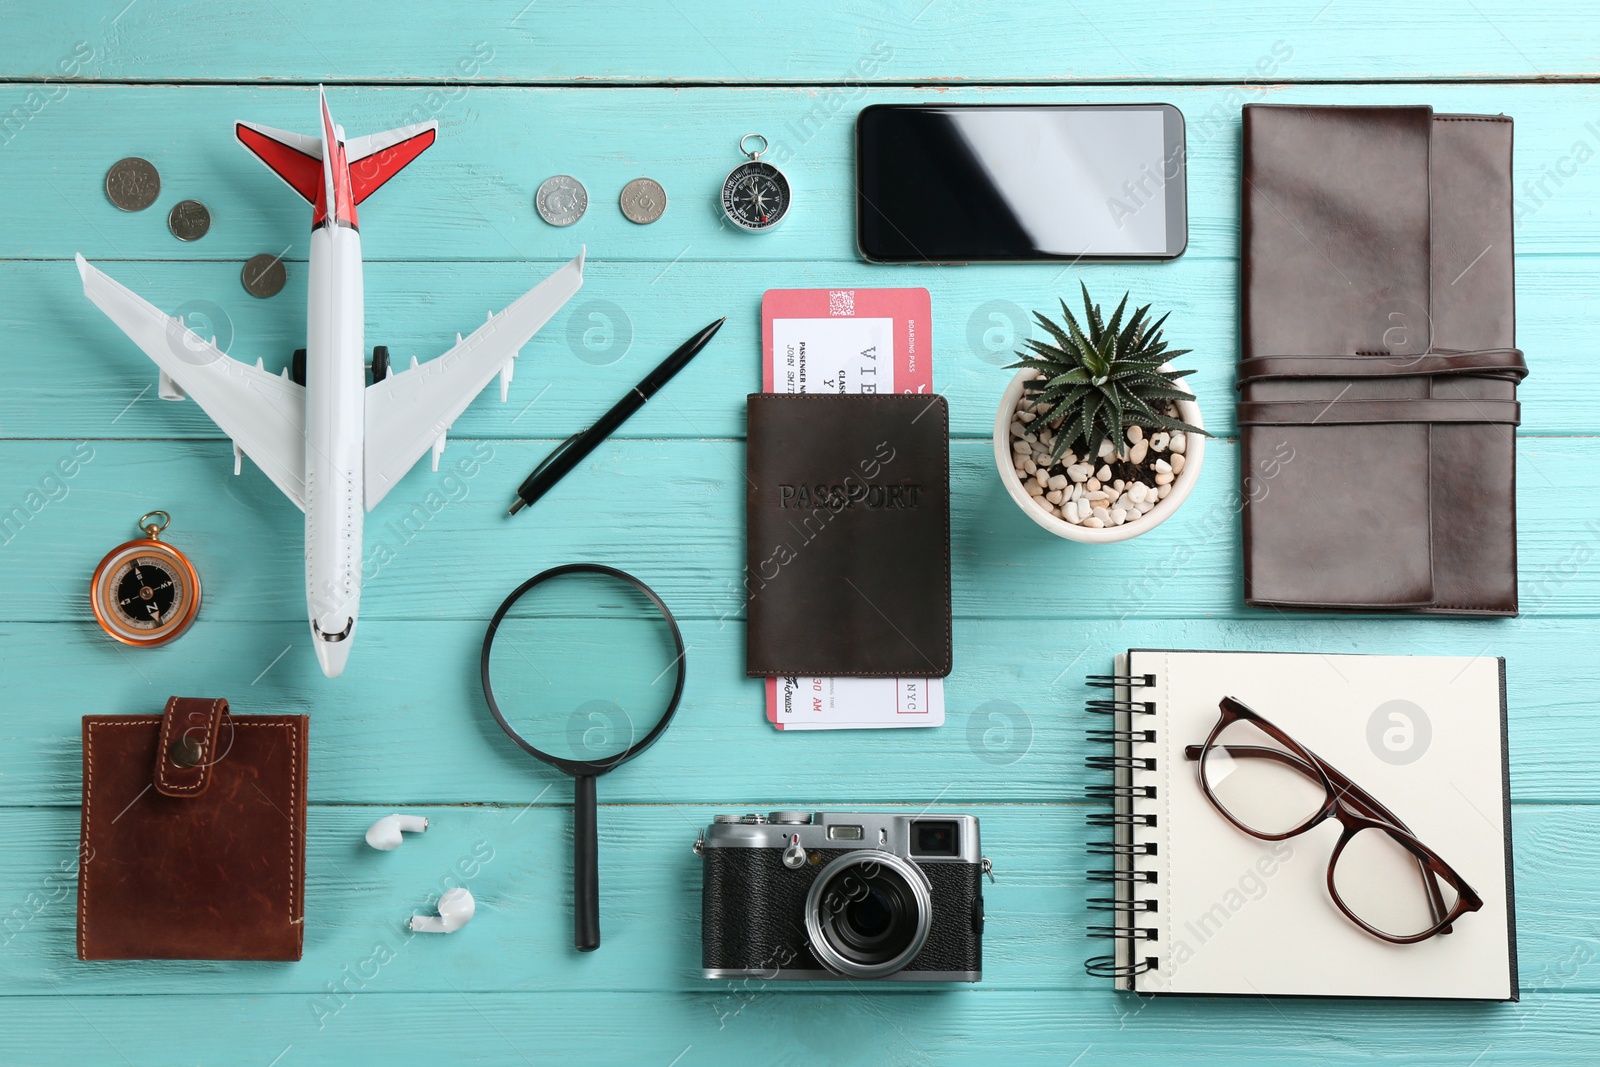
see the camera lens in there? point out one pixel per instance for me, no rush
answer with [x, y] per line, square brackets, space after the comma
[875, 928]
[871, 917]
[868, 914]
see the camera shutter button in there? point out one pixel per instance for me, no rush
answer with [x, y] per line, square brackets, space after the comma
[794, 856]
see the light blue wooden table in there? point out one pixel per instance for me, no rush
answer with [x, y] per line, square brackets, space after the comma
[608, 92]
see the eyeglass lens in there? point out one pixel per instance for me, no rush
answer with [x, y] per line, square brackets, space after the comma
[1381, 881]
[1261, 783]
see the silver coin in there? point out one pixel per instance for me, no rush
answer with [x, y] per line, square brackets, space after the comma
[643, 200]
[133, 184]
[189, 220]
[264, 275]
[561, 200]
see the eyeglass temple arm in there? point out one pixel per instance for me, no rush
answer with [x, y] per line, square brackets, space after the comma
[1358, 798]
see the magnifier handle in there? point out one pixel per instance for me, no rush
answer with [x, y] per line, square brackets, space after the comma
[585, 867]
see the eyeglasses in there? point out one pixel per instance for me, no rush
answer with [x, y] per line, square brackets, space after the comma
[1270, 786]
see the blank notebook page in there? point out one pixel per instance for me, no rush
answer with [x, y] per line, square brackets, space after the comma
[1238, 915]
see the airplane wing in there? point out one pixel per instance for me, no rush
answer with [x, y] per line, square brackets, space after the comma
[409, 412]
[263, 413]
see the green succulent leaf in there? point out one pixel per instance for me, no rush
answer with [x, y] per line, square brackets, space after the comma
[1076, 341]
[1086, 419]
[1061, 336]
[1131, 333]
[1053, 353]
[1116, 323]
[1091, 315]
[1057, 397]
[1113, 419]
[1075, 376]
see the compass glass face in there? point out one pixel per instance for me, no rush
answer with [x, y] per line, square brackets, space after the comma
[146, 593]
[756, 195]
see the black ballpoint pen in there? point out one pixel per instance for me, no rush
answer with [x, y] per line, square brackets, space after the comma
[569, 453]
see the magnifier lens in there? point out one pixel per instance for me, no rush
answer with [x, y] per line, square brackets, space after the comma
[584, 666]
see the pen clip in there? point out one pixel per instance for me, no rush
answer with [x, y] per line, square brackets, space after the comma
[554, 453]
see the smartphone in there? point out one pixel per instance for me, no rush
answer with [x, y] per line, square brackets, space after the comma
[966, 182]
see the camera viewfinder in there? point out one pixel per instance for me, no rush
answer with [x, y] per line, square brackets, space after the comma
[935, 839]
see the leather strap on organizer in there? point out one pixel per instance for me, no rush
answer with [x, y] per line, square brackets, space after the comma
[191, 729]
[1346, 412]
[1506, 363]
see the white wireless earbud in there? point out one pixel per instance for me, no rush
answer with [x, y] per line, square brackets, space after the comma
[456, 908]
[385, 833]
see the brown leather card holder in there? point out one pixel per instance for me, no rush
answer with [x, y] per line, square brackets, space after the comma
[194, 827]
[1378, 372]
[848, 513]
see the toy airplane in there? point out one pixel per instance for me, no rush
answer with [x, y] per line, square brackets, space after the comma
[332, 443]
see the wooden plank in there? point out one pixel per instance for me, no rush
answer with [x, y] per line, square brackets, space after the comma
[765, 1027]
[881, 40]
[72, 373]
[406, 723]
[517, 866]
[470, 197]
[443, 539]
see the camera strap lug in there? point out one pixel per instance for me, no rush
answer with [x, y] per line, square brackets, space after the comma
[699, 847]
[986, 867]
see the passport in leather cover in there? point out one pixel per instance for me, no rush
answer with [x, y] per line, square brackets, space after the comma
[1378, 372]
[194, 829]
[848, 512]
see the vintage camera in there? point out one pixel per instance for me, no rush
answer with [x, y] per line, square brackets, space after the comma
[796, 895]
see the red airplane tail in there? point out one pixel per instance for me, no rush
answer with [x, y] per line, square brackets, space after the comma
[372, 159]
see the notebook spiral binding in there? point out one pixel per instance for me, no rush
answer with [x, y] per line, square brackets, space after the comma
[1123, 877]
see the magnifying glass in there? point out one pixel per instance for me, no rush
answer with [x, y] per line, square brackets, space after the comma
[583, 667]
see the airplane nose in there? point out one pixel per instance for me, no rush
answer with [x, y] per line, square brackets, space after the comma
[332, 655]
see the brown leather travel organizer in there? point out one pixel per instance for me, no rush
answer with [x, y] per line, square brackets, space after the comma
[848, 509]
[194, 830]
[1379, 368]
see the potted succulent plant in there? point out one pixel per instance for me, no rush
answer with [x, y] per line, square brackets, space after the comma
[1097, 437]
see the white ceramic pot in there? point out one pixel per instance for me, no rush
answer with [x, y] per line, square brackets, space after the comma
[1188, 411]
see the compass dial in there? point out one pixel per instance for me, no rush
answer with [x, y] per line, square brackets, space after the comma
[756, 196]
[145, 593]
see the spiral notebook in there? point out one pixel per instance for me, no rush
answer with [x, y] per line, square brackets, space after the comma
[1194, 905]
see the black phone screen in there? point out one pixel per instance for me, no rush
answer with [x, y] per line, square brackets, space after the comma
[1008, 182]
